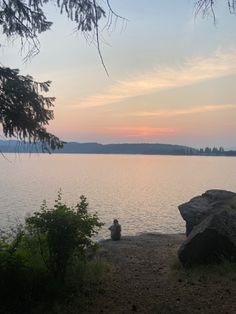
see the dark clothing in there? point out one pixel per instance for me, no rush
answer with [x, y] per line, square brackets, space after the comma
[115, 231]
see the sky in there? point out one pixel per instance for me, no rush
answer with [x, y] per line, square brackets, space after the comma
[171, 75]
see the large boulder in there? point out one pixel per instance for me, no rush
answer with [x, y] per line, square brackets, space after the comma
[200, 207]
[213, 239]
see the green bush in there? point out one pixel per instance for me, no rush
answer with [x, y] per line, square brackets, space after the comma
[64, 233]
[38, 261]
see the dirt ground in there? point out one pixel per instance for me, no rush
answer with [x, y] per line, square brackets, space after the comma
[144, 277]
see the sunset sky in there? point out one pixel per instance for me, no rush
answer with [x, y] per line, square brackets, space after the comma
[171, 77]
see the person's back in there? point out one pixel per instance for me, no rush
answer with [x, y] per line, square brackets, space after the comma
[115, 230]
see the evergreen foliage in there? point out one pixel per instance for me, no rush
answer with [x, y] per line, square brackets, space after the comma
[208, 6]
[24, 111]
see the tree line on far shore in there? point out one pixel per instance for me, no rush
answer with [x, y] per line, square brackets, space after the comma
[214, 151]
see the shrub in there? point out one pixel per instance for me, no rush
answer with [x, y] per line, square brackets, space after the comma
[38, 261]
[64, 233]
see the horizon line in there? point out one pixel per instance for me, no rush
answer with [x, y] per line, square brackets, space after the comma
[126, 143]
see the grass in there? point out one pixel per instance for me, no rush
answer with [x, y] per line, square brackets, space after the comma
[83, 284]
[225, 270]
[37, 293]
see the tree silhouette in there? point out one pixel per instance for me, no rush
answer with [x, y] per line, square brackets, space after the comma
[206, 7]
[24, 110]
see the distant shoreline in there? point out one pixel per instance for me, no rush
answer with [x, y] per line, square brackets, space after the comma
[136, 154]
[13, 146]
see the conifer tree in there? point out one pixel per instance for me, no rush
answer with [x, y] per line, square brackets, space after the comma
[25, 111]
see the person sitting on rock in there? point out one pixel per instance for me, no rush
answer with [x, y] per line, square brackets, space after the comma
[115, 230]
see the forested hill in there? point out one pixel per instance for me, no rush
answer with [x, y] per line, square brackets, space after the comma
[148, 149]
[96, 148]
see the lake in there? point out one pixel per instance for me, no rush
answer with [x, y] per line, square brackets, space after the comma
[142, 191]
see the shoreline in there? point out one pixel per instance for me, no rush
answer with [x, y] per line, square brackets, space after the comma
[138, 236]
[144, 235]
[53, 153]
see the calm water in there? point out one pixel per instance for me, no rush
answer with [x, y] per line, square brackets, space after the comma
[143, 192]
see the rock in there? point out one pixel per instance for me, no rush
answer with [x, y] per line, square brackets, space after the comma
[211, 240]
[199, 207]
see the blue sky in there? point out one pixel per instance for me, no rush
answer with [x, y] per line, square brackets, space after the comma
[171, 76]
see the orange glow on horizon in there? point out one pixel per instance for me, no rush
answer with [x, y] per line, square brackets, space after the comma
[140, 132]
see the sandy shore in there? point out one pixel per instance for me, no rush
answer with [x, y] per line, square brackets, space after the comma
[144, 277]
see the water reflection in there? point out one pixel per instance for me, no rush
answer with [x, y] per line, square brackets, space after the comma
[143, 192]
